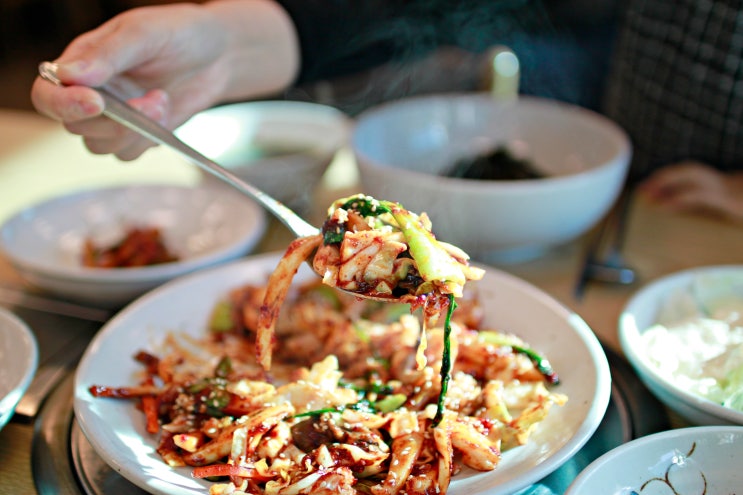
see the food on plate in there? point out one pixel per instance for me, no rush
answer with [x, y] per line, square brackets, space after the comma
[377, 249]
[140, 246]
[498, 164]
[697, 340]
[702, 354]
[345, 410]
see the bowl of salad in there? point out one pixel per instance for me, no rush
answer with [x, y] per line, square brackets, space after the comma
[505, 180]
[683, 334]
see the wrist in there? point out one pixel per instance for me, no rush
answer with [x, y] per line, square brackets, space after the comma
[262, 55]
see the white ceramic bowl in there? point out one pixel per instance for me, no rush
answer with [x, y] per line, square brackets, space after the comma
[699, 460]
[281, 147]
[403, 147]
[666, 301]
[203, 226]
[116, 429]
[19, 356]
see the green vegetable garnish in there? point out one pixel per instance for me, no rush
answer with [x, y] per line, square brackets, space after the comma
[445, 362]
[224, 367]
[221, 318]
[542, 364]
[435, 264]
[390, 403]
[367, 206]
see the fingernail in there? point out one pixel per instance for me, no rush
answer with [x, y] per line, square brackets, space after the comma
[161, 108]
[84, 109]
[73, 68]
[86, 72]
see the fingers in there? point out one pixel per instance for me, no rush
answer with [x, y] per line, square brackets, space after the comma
[689, 187]
[673, 179]
[67, 104]
[102, 135]
[127, 41]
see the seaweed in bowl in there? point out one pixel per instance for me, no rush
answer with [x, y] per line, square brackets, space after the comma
[497, 164]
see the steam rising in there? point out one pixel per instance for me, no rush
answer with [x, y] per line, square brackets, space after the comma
[430, 45]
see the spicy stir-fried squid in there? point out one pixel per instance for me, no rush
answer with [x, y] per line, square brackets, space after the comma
[375, 248]
[347, 411]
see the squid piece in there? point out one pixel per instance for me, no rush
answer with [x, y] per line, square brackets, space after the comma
[254, 425]
[277, 288]
[405, 452]
[338, 481]
[442, 435]
[477, 449]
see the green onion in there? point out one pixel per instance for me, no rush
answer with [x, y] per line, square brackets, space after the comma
[445, 362]
[542, 363]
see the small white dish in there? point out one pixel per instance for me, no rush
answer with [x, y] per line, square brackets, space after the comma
[203, 226]
[116, 429]
[674, 298]
[281, 147]
[19, 356]
[695, 460]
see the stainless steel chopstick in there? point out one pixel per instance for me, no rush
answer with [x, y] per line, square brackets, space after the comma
[603, 260]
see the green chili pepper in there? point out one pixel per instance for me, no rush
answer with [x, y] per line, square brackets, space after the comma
[333, 236]
[224, 367]
[216, 401]
[221, 318]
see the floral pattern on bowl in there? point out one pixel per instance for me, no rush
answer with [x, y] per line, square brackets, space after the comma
[681, 471]
[703, 460]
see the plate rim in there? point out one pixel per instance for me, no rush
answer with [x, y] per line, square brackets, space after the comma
[21, 333]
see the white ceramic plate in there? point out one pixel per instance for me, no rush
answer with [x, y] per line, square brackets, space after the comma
[116, 428]
[202, 225]
[19, 357]
[704, 459]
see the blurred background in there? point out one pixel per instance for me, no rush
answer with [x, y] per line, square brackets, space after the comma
[36, 30]
[566, 37]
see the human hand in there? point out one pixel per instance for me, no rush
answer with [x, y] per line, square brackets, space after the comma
[173, 61]
[695, 187]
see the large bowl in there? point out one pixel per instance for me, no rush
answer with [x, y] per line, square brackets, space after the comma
[116, 429]
[702, 459]
[281, 147]
[203, 226]
[668, 301]
[402, 148]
